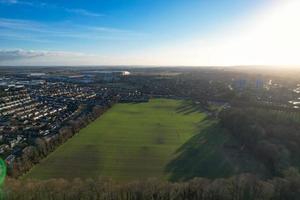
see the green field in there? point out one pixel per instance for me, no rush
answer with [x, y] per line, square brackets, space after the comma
[131, 141]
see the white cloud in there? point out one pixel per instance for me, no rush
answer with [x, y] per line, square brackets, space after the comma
[84, 12]
[17, 54]
[20, 54]
[18, 24]
[17, 2]
[9, 1]
[16, 29]
[20, 57]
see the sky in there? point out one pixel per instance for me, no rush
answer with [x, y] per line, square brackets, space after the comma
[150, 32]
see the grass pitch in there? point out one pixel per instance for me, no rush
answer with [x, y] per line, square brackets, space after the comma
[130, 141]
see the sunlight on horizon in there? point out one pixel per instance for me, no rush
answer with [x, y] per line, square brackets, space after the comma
[270, 38]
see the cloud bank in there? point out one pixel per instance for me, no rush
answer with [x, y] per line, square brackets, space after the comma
[30, 57]
[9, 55]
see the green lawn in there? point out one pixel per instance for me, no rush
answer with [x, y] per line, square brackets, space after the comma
[130, 141]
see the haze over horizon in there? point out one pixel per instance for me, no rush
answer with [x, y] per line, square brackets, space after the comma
[145, 32]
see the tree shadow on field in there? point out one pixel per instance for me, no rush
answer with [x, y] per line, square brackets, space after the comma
[201, 156]
[188, 107]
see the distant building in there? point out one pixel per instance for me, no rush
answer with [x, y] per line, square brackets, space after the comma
[240, 84]
[36, 74]
[108, 76]
[259, 84]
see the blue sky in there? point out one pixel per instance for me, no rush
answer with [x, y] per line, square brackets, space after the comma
[115, 31]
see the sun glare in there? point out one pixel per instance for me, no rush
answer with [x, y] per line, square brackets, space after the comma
[270, 38]
[274, 38]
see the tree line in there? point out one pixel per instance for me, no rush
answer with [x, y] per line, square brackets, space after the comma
[241, 187]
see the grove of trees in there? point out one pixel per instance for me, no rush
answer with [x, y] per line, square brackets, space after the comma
[271, 136]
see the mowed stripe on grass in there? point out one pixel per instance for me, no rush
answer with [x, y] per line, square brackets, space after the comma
[130, 141]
